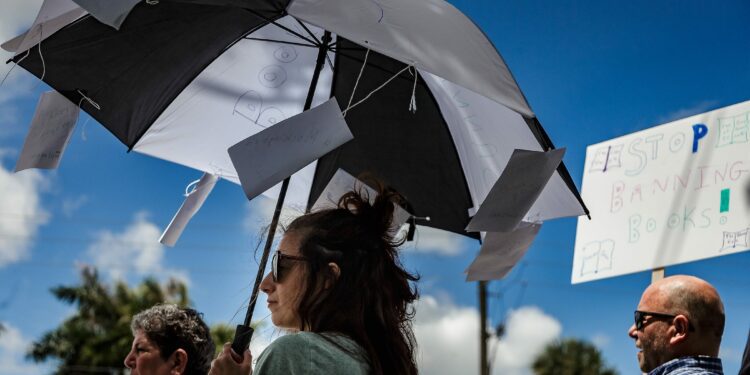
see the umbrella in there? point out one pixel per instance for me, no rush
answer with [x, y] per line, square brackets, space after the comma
[433, 108]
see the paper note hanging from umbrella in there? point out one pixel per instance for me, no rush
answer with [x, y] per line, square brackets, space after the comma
[50, 131]
[341, 183]
[275, 153]
[112, 13]
[52, 16]
[193, 202]
[518, 187]
[500, 252]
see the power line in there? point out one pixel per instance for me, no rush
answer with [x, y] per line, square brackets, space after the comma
[121, 242]
[112, 220]
[192, 269]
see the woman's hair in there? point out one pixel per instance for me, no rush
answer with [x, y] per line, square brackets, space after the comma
[171, 327]
[369, 300]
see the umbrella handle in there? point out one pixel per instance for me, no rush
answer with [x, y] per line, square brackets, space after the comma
[242, 336]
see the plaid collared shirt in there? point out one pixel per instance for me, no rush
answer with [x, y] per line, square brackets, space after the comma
[701, 365]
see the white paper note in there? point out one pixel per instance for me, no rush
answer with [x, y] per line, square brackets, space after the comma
[190, 207]
[49, 133]
[518, 187]
[52, 16]
[341, 183]
[278, 151]
[112, 13]
[500, 252]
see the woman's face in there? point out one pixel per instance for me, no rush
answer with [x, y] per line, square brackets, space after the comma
[145, 357]
[284, 294]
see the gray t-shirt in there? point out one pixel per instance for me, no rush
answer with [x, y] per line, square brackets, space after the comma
[310, 353]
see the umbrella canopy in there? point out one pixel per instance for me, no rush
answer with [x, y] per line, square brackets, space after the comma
[433, 108]
[185, 80]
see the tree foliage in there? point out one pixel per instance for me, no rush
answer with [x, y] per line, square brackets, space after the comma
[571, 357]
[221, 333]
[97, 337]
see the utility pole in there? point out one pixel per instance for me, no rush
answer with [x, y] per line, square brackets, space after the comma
[484, 368]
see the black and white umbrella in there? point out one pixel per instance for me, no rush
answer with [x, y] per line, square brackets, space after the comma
[433, 108]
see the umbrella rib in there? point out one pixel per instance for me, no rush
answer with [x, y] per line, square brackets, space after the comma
[281, 41]
[349, 48]
[281, 26]
[312, 35]
[308, 30]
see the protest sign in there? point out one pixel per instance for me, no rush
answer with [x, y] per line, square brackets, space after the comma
[666, 195]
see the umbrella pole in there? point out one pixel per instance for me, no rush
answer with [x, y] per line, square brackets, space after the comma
[244, 332]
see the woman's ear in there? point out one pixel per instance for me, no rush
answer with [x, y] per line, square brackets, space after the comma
[179, 361]
[335, 270]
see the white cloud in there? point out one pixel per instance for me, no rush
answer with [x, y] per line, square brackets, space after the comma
[13, 347]
[447, 336]
[527, 331]
[600, 340]
[448, 343]
[436, 241]
[259, 212]
[135, 250]
[21, 212]
[681, 113]
[70, 205]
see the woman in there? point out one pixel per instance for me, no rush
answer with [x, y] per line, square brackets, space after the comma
[336, 281]
[169, 340]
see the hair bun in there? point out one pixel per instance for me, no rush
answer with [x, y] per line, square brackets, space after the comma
[378, 216]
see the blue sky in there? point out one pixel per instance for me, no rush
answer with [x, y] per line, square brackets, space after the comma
[591, 70]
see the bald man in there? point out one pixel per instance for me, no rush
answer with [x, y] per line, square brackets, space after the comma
[678, 327]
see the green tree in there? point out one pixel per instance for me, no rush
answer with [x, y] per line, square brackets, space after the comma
[221, 333]
[97, 337]
[571, 357]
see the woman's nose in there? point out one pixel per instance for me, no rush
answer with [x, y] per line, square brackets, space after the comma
[266, 286]
[130, 360]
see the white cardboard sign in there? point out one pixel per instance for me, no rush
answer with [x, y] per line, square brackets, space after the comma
[51, 128]
[670, 194]
[268, 157]
[501, 251]
[518, 187]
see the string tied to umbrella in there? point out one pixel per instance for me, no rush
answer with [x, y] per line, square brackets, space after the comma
[356, 83]
[378, 89]
[191, 188]
[413, 101]
[15, 63]
[86, 98]
[80, 102]
[41, 57]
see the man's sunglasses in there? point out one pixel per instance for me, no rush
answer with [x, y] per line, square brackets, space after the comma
[640, 316]
[278, 256]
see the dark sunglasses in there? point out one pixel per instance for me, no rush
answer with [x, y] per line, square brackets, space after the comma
[279, 256]
[640, 316]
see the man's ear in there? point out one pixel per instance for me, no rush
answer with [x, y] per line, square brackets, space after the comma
[335, 270]
[681, 326]
[179, 361]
